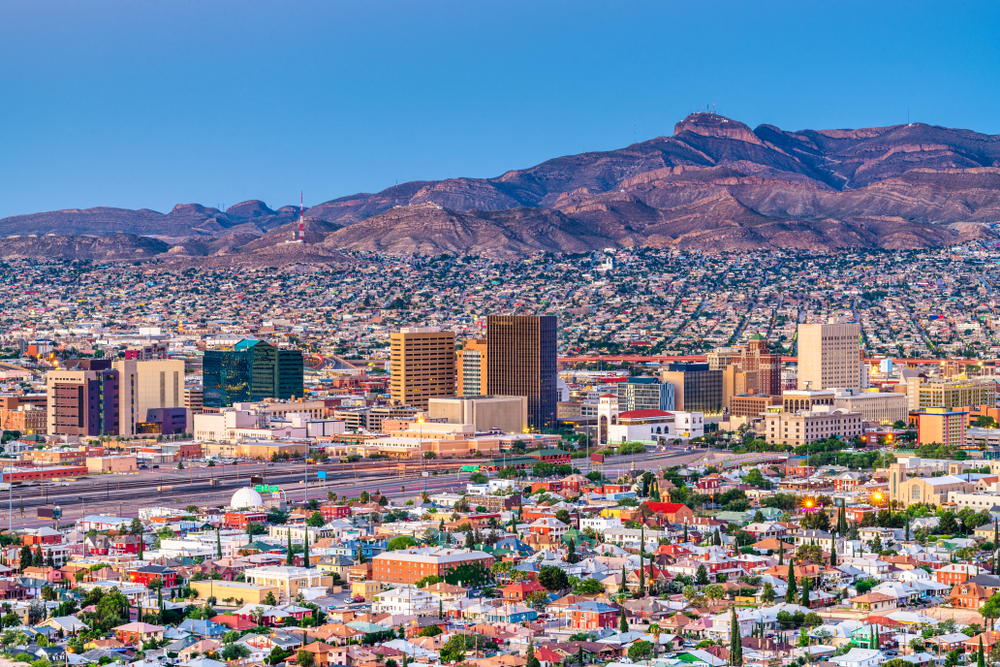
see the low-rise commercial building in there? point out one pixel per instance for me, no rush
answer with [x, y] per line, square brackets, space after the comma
[874, 406]
[507, 414]
[805, 426]
[288, 580]
[111, 464]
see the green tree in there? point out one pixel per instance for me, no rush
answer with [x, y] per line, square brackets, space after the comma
[235, 652]
[735, 641]
[305, 658]
[622, 621]
[640, 650]
[315, 520]
[588, 587]
[400, 542]
[553, 578]
[991, 610]
[530, 659]
[701, 576]
[792, 587]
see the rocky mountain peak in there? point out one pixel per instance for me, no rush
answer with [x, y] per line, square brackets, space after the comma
[713, 125]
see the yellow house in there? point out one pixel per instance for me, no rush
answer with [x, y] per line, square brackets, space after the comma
[613, 512]
[366, 589]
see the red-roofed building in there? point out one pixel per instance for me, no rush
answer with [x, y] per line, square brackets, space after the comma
[521, 590]
[547, 657]
[643, 414]
[709, 482]
[233, 622]
[672, 512]
[243, 519]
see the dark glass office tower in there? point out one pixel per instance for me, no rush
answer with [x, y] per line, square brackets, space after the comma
[521, 361]
[252, 371]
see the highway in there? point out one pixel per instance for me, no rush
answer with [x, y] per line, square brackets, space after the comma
[124, 494]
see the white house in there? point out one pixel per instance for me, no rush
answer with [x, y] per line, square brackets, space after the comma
[409, 601]
[860, 657]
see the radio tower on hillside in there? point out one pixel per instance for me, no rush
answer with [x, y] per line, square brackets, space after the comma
[299, 235]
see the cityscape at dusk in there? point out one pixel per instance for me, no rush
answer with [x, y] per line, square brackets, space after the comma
[499, 335]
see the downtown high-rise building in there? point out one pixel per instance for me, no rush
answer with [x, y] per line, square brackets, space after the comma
[153, 384]
[521, 361]
[645, 393]
[471, 363]
[829, 356]
[765, 366]
[83, 399]
[697, 388]
[421, 365]
[252, 371]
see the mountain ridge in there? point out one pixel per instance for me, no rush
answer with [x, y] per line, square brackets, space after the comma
[714, 184]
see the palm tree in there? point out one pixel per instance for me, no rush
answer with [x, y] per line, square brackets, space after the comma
[655, 630]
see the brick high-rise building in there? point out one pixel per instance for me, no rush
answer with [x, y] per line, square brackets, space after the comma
[829, 356]
[421, 365]
[471, 362]
[521, 361]
[83, 398]
[758, 359]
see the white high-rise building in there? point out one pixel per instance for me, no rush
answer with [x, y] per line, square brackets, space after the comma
[829, 356]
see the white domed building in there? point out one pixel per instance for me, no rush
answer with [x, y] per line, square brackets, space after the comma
[247, 498]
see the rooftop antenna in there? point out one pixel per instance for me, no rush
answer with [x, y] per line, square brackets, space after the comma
[300, 235]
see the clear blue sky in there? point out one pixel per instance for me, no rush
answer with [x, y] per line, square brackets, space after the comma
[148, 104]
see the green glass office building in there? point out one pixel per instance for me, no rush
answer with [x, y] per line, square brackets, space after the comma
[252, 371]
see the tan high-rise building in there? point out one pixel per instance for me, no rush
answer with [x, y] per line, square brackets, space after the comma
[829, 356]
[471, 362]
[421, 365]
[147, 385]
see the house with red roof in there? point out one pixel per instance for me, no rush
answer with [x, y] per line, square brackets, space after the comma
[520, 591]
[547, 657]
[672, 512]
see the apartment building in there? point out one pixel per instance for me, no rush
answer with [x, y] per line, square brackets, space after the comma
[471, 361]
[950, 394]
[941, 426]
[409, 566]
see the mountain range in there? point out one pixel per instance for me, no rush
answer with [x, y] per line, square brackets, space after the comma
[715, 184]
